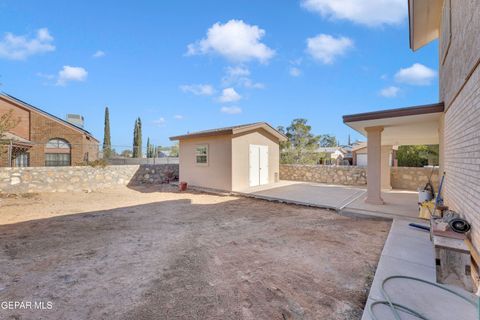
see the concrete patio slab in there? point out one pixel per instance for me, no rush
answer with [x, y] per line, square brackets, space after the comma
[315, 194]
[347, 200]
[398, 203]
[409, 252]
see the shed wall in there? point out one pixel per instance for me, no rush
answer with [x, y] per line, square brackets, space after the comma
[217, 174]
[241, 151]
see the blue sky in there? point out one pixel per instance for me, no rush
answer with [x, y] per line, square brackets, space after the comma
[192, 65]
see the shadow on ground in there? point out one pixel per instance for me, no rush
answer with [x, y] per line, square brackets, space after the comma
[183, 259]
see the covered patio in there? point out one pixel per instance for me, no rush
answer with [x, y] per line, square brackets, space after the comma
[15, 150]
[418, 125]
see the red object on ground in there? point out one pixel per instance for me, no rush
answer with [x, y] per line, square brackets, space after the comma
[182, 186]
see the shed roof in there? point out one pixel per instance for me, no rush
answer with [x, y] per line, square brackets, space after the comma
[233, 130]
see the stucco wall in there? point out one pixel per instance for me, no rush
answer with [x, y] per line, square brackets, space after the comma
[460, 89]
[240, 157]
[72, 179]
[401, 177]
[217, 174]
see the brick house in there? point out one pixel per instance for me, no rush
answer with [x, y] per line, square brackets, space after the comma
[453, 122]
[42, 139]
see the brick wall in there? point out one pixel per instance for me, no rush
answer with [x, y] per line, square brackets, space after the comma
[81, 178]
[43, 129]
[460, 89]
[39, 129]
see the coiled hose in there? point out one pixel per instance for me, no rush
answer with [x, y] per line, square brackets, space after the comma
[395, 307]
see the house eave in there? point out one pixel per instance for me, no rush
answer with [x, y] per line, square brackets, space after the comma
[424, 18]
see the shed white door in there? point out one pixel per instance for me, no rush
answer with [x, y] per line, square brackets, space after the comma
[362, 159]
[258, 165]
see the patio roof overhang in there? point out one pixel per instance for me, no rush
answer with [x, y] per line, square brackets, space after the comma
[405, 126]
[424, 20]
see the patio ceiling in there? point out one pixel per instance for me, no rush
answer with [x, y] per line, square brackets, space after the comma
[406, 126]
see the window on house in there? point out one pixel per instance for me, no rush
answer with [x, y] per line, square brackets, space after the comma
[57, 153]
[201, 154]
[22, 159]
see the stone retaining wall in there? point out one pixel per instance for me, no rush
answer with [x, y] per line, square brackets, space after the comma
[82, 178]
[401, 177]
[413, 178]
[346, 175]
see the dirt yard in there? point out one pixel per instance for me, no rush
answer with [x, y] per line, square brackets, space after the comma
[161, 254]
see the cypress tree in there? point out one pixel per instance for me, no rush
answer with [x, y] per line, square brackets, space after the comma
[135, 140]
[107, 143]
[139, 137]
[149, 153]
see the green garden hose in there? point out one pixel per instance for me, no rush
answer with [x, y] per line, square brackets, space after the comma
[395, 307]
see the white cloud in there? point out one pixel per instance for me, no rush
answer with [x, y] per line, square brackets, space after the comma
[366, 12]
[239, 76]
[390, 92]
[178, 117]
[229, 95]
[234, 40]
[21, 47]
[238, 71]
[231, 110]
[69, 73]
[326, 48]
[295, 72]
[198, 89]
[46, 75]
[160, 122]
[417, 74]
[99, 54]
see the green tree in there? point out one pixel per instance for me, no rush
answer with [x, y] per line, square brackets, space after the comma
[107, 143]
[174, 150]
[302, 145]
[417, 156]
[150, 149]
[126, 153]
[135, 140]
[327, 140]
[139, 138]
[7, 122]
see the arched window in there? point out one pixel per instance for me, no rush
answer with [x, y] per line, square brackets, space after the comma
[57, 153]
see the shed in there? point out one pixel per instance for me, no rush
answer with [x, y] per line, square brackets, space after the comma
[232, 158]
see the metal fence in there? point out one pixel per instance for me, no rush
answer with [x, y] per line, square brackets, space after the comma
[133, 161]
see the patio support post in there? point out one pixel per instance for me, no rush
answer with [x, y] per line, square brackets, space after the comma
[374, 165]
[386, 159]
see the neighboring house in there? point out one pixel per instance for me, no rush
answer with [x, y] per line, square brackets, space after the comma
[233, 158]
[332, 155]
[42, 139]
[453, 123]
[360, 155]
